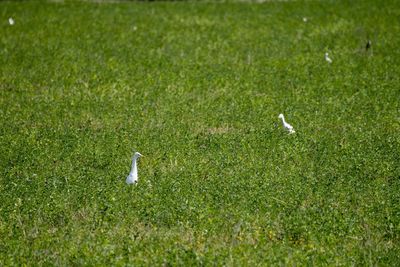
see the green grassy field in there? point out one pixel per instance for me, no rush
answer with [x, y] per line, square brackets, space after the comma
[197, 89]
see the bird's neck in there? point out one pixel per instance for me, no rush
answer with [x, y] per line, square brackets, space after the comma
[133, 165]
[283, 120]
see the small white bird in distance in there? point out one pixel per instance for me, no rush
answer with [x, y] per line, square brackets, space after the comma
[286, 125]
[304, 19]
[11, 21]
[327, 58]
[133, 175]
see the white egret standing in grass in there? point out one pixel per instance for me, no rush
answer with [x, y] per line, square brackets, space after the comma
[11, 21]
[327, 58]
[133, 175]
[286, 125]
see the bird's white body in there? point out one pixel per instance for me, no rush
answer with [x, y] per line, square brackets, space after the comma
[327, 58]
[133, 174]
[286, 125]
[11, 21]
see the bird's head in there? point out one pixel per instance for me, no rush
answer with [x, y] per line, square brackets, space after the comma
[280, 116]
[137, 155]
[326, 54]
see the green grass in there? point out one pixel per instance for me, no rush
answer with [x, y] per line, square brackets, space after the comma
[197, 89]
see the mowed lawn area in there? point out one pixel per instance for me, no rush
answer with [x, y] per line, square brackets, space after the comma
[197, 88]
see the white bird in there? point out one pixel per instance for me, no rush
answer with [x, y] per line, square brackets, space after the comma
[133, 175]
[327, 58]
[286, 125]
[11, 21]
[305, 19]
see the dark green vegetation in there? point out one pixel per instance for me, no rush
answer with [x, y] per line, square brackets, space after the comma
[197, 89]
